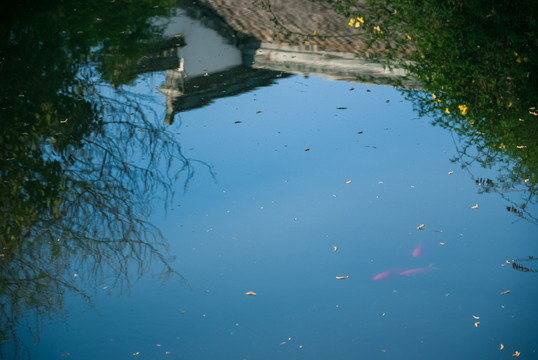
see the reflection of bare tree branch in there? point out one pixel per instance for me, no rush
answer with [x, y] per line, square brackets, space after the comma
[516, 265]
[99, 223]
[504, 186]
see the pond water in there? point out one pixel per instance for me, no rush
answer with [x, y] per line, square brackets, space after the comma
[319, 218]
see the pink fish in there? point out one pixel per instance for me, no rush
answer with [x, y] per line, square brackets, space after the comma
[416, 270]
[418, 250]
[384, 274]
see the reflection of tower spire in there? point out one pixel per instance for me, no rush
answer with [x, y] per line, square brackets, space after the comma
[172, 88]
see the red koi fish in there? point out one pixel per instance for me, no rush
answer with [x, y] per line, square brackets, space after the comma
[409, 272]
[384, 274]
[416, 270]
[418, 250]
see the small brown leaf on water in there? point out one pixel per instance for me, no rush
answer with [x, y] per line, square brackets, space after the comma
[348, 182]
[505, 292]
[516, 354]
[259, 111]
[307, 149]
[237, 122]
[342, 277]
[251, 293]
[450, 172]
[420, 227]
[474, 206]
[441, 243]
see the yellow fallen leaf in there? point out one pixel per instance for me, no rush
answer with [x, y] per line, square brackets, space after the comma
[505, 292]
[348, 182]
[516, 354]
[474, 206]
[335, 248]
[251, 293]
[476, 317]
[441, 243]
[420, 227]
[450, 172]
[476, 324]
[501, 347]
[342, 277]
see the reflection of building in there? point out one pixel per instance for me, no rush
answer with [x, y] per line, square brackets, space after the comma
[233, 46]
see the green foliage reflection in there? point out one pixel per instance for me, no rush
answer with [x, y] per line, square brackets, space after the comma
[476, 62]
[79, 155]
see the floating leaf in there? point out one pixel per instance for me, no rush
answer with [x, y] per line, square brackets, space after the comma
[307, 149]
[505, 292]
[442, 243]
[259, 111]
[474, 206]
[450, 172]
[251, 293]
[476, 324]
[516, 354]
[476, 317]
[420, 227]
[342, 277]
[335, 248]
[348, 182]
[501, 347]
[237, 122]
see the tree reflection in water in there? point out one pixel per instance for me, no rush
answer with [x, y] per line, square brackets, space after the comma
[476, 63]
[80, 156]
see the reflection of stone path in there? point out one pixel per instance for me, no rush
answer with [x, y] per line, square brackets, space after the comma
[300, 17]
[285, 30]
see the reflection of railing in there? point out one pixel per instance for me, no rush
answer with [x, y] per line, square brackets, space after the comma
[190, 93]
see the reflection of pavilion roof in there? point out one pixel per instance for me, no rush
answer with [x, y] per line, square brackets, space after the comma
[275, 39]
[192, 93]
